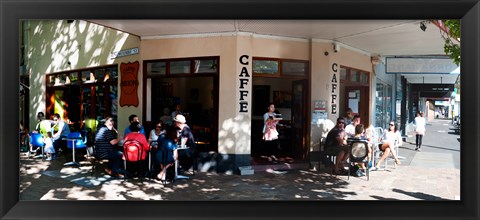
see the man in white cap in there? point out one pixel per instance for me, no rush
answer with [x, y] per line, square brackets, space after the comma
[186, 157]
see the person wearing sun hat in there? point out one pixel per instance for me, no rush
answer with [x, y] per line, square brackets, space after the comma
[186, 139]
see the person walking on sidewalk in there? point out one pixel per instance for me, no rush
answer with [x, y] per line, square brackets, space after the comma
[419, 122]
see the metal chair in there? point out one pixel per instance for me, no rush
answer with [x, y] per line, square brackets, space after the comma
[36, 140]
[76, 140]
[133, 152]
[358, 153]
[376, 145]
[377, 151]
[325, 158]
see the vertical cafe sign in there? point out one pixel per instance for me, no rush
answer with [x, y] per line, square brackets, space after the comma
[244, 78]
[334, 88]
[129, 84]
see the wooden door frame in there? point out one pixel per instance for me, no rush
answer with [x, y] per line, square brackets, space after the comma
[364, 101]
[304, 151]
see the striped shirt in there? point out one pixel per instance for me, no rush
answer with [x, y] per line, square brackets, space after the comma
[102, 141]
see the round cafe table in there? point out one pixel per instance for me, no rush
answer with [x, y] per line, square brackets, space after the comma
[73, 140]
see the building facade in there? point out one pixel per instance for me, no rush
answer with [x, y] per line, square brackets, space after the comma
[223, 82]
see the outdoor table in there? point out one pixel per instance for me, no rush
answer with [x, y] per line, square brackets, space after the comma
[73, 140]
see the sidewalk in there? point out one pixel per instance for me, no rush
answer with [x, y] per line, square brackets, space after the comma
[432, 174]
[51, 181]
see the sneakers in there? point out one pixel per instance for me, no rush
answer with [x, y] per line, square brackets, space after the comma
[417, 149]
[48, 158]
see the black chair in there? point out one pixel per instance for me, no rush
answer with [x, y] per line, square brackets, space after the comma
[358, 153]
[133, 152]
[91, 156]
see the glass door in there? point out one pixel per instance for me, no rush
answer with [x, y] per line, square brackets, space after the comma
[383, 105]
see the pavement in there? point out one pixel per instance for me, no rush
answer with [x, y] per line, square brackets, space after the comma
[432, 174]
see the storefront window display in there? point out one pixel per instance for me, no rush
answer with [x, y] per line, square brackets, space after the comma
[80, 95]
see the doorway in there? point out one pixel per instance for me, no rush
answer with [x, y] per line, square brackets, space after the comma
[289, 97]
[356, 98]
[354, 93]
[197, 99]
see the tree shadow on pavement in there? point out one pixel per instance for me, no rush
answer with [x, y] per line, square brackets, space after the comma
[418, 195]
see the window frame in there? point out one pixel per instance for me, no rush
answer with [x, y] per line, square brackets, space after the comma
[280, 72]
[192, 67]
[358, 72]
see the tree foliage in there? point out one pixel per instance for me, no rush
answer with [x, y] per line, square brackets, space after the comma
[452, 40]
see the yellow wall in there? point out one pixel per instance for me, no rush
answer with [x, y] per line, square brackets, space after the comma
[54, 43]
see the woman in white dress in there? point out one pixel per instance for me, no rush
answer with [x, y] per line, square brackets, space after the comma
[419, 122]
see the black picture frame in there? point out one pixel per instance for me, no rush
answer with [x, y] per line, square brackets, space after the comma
[12, 11]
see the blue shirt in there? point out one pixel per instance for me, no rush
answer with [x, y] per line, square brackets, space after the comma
[127, 130]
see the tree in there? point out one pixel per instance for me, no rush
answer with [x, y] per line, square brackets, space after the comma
[452, 39]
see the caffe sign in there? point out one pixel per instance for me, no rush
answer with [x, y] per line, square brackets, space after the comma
[129, 84]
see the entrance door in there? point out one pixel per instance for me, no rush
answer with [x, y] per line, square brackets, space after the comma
[299, 119]
[356, 98]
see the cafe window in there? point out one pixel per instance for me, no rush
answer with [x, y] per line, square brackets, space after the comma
[265, 67]
[89, 93]
[205, 66]
[354, 76]
[157, 68]
[197, 65]
[296, 68]
[180, 67]
[343, 74]
[279, 67]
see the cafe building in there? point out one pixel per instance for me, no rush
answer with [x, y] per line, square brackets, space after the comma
[223, 82]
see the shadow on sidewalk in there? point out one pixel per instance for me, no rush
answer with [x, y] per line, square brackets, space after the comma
[418, 195]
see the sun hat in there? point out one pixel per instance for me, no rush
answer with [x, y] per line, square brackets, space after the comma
[180, 118]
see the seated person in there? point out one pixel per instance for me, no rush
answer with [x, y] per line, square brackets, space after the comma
[132, 152]
[336, 144]
[350, 129]
[106, 142]
[167, 153]
[157, 134]
[43, 126]
[388, 140]
[133, 118]
[24, 137]
[359, 135]
[187, 156]
[59, 142]
[166, 118]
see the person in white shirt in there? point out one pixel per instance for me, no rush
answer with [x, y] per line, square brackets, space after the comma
[390, 139]
[177, 111]
[350, 129]
[419, 122]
